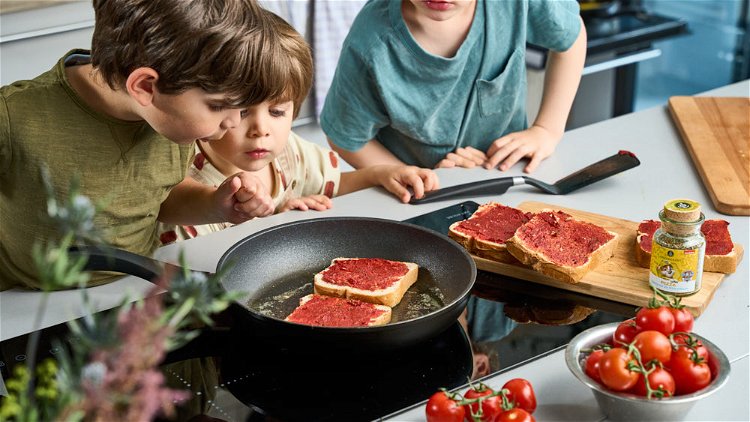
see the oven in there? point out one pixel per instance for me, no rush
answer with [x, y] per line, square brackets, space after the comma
[621, 34]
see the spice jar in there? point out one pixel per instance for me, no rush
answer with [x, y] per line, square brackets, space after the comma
[678, 248]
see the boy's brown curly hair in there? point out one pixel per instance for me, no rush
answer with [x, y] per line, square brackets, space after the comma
[229, 47]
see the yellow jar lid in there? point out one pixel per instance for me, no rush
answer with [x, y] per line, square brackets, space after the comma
[683, 210]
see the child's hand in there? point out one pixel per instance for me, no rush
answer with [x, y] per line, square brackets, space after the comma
[306, 203]
[396, 179]
[535, 142]
[463, 157]
[242, 197]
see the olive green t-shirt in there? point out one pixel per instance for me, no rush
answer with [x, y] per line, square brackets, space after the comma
[125, 164]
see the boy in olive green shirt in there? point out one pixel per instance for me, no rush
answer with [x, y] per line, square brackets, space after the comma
[155, 74]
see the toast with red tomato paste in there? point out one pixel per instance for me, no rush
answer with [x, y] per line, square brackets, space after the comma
[374, 280]
[559, 246]
[485, 232]
[722, 255]
[329, 311]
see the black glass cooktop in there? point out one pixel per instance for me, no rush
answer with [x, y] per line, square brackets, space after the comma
[232, 377]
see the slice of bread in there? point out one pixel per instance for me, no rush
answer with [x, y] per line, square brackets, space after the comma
[373, 280]
[485, 232]
[328, 311]
[561, 247]
[722, 255]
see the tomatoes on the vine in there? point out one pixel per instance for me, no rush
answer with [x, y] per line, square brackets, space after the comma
[614, 370]
[660, 381]
[515, 415]
[659, 319]
[521, 394]
[653, 345]
[442, 408]
[491, 406]
[686, 344]
[591, 367]
[683, 320]
[625, 332]
[691, 373]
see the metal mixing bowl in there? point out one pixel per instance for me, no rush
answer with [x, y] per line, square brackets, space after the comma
[629, 407]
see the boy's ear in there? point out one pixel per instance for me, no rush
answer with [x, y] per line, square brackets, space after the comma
[141, 85]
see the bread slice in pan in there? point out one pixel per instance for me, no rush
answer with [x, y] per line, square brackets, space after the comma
[372, 280]
[722, 255]
[559, 246]
[485, 232]
[328, 311]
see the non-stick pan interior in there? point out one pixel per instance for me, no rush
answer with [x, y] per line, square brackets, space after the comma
[276, 266]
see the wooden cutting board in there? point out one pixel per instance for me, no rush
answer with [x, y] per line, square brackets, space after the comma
[716, 131]
[619, 279]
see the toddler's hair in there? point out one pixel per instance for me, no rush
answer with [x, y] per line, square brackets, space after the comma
[220, 46]
[293, 68]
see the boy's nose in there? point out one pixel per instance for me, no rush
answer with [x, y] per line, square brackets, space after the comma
[258, 129]
[232, 120]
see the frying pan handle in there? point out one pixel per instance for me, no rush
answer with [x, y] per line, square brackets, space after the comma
[482, 187]
[106, 258]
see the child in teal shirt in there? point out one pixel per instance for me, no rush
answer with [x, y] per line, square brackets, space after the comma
[443, 84]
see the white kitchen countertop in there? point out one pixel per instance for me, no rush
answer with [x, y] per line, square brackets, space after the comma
[634, 195]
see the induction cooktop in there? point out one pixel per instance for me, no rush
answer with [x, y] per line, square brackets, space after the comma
[233, 377]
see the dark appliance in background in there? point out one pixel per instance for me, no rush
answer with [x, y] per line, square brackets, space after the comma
[621, 36]
[714, 53]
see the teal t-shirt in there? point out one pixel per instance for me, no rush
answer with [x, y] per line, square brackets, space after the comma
[421, 106]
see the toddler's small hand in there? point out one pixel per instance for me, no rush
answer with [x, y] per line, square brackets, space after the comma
[248, 198]
[305, 203]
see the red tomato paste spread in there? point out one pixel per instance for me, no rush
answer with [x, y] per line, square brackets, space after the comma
[563, 240]
[646, 229]
[716, 232]
[494, 224]
[327, 311]
[365, 273]
[718, 240]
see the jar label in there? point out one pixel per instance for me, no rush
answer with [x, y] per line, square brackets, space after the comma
[676, 270]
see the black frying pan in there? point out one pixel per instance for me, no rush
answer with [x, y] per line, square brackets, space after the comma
[276, 267]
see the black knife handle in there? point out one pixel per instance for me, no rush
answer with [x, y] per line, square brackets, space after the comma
[482, 187]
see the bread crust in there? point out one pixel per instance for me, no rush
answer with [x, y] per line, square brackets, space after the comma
[390, 296]
[382, 319]
[479, 247]
[541, 263]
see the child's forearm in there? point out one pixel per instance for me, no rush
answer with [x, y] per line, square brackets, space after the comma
[189, 203]
[353, 181]
[371, 154]
[560, 85]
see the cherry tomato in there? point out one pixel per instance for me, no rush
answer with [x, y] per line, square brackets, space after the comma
[491, 406]
[521, 394]
[690, 373]
[658, 379]
[683, 320]
[442, 408]
[625, 332]
[515, 415]
[591, 367]
[659, 319]
[614, 372]
[686, 343]
[653, 345]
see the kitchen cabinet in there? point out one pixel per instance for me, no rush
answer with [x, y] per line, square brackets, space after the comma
[33, 38]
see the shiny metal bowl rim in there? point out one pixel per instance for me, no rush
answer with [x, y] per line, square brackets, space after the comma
[602, 333]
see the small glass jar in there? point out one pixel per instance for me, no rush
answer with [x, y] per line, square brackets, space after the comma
[678, 249]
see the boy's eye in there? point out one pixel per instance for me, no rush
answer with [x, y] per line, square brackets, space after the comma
[243, 113]
[278, 112]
